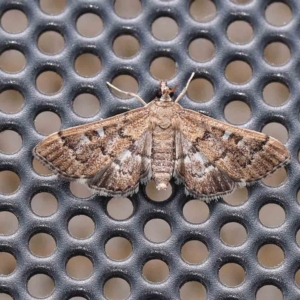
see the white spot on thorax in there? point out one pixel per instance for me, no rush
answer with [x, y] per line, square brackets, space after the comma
[115, 166]
[84, 139]
[241, 143]
[242, 183]
[100, 132]
[210, 168]
[125, 155]
[226, 135]
[82, 180]
[199, 157]
[187, 160]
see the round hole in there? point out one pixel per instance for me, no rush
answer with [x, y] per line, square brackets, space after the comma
[51, 42]
[298, 196]
[128, 9]
[238, 72]
[119, 208]
[164, 29]
[42, 244]
[53, 7]
[40, 286]
[277, 53]
[157, 230]
[77, 298]
[270, 256]
[89, 25]
[193, 290]
[297, 278]
[196, 211]
[14, 21]
[126, 46]
[86, 105]
[87, 65]
[9, 182]
[40, 169]
[12, 61]
[155, 270]
[201, 50]
[10, 142]
[278, 14]
[11, 101]
[47, 122]
[155, 195]
[163, 68]
[49, 82]
[233, 234]
[8, 223]
[237, 112]
[44, 204]
[231, 274]
[116, 289]
[81, 226]
[8, 263]
[79, 267]
[272, 215]
[126, 83]
[194, 252]
[275, 179]
[298, 237]
[276, 93]
[240, 32]
[238, 197]
[5, 297]
[241, 1]
[200, 90]
[118, 248]
[203, 10]
[277, 131]
[80, 190]
[269, 292]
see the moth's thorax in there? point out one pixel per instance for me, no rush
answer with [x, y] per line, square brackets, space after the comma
[163, 114]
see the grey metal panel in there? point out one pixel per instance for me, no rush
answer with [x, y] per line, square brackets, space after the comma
[144, 209]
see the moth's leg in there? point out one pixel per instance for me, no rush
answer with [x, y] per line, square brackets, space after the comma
[127, 93]
[185, 88]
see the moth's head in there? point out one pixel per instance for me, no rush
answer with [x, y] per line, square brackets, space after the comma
[165, 93]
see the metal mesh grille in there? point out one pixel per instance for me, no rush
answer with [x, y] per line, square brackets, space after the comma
[216, 78]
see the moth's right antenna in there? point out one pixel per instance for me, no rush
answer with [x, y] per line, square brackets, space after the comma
[185, 89]
[127, 93]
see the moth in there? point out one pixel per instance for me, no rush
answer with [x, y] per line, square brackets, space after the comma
[159, 141]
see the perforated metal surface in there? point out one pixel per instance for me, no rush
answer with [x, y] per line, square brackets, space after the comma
[170, 210]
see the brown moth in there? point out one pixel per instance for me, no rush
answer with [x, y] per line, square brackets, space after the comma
[158, 141]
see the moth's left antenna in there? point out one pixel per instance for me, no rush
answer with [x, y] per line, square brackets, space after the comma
[127, 93]
[185, 88]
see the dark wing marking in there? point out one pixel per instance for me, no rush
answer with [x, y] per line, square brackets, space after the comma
[122, 176]
[200, 177]
[243, 155]
[86, 150]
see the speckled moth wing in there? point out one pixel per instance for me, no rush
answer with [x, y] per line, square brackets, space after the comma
[123, 175]
[85, 152]
[201, 178]
[243, 155]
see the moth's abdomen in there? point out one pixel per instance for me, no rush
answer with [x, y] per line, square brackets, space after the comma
[162, 156]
